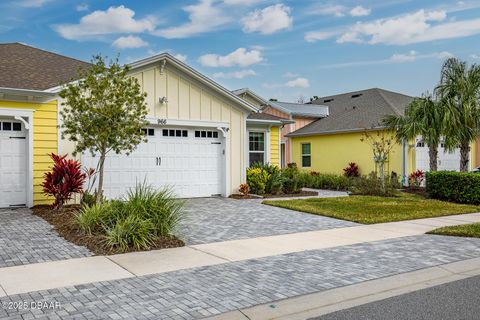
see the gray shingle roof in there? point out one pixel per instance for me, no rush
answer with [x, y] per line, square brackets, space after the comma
[356, 111]
[301, 109]
[26, 67]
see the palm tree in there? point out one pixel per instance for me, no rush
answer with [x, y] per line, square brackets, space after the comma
[423, 116]
[459, 93]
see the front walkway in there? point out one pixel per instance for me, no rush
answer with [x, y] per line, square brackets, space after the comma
[26, 238]
[220, 219]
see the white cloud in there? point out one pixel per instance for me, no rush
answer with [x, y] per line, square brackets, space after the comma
[411, 56]
[236, 74]
[268, 20]
[296, 83]
[240, 57]
[33, 3]
[360, 11]
[475, 56]
[181, 57]
[314, 36]
[241, 2]
[328, 10]
[129, 42]
[420, 26]
[290, 75]
[401, 57]
[113, 20]
[204, 17]
[82, 7]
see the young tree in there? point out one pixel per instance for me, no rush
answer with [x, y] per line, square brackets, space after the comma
[382, 143]
[423, 116]
[104, 111]
[459, 92]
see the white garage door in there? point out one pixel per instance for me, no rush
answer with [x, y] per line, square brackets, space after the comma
[190, 161]
[446, 160]
[13, 164]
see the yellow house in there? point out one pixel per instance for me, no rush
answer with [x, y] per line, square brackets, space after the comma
[28, 119]
[329, 144]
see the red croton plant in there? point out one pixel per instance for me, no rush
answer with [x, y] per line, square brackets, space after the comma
[65, 179]
[352, 170]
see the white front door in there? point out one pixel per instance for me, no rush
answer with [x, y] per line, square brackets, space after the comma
[189, 161]
[13, 163]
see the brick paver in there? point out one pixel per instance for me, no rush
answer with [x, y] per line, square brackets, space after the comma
[200, 292]
[26, 238]
[220, 219]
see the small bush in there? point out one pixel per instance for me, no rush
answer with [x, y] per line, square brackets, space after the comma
[134, 222]
[244, 189]
[371, 185]
[416, 178]
[65, 179]
[459, 187]
[291, 179]
[326, 181]
[274, 181]
[257, 180]
[352, 171]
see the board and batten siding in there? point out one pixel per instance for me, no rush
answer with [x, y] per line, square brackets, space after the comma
[275, 146]
[45, 141]
[189, 99]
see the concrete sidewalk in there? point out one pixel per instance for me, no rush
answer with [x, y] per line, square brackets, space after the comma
[56, 274]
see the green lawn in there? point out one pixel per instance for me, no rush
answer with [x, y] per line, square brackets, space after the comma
[466, 230]
[371, 209]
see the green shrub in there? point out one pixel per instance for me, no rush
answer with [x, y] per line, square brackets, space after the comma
[291, 179]
[459, 187]
[257, 180]
[131, 232]
[371, 185]
[274, 181]
[326, 181]
[151, 214]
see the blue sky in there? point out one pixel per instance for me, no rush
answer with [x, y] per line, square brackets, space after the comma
[280, 49]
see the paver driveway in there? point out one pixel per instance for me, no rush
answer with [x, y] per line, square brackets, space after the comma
[205, 291]
[221, 219]
[26, 238]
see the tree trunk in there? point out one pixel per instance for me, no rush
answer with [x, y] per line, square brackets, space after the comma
[464, 156]
[382, 176]
[99, 194]
[433, 157]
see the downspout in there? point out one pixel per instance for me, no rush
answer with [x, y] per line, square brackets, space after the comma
[404, 163]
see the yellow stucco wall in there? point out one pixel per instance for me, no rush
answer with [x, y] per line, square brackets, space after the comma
[332, 153]
[275, 146]
[45, 141]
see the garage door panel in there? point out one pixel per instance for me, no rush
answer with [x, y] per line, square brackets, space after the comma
[190, 166]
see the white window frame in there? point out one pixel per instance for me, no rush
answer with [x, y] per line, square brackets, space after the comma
[266, 144]
[305, 155]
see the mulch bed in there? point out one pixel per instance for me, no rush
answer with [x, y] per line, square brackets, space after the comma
[63, 222]
[415, 190]
[280, 195]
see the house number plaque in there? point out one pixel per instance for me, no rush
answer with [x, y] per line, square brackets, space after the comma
[162, 121]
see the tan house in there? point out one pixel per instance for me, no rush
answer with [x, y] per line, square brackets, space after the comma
[298, 114]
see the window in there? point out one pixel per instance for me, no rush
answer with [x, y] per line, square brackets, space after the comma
[149, 132]
[17, 126]
[306, 155]
[7, 126]
[256, 144]
[206, 134]
[174, 133]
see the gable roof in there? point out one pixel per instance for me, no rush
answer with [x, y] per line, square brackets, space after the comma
[356, 111]
[266, 117]
[168, 58]
[26, 67]
[242, 91]
[307, 110]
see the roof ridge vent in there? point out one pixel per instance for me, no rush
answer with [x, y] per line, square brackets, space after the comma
[357, 95]
[327, 100]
